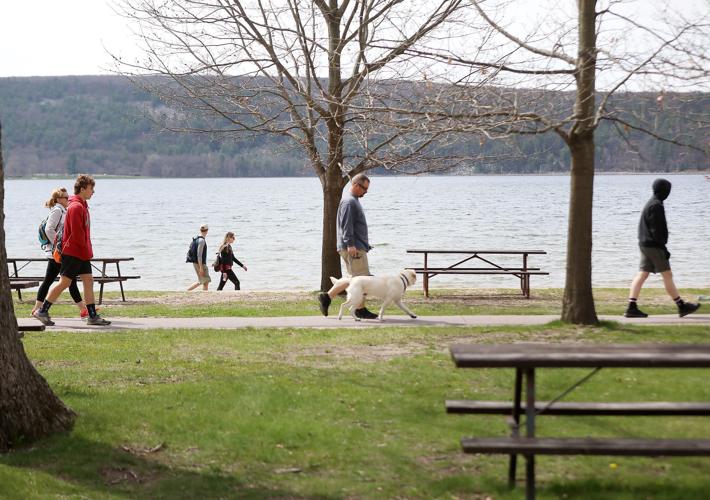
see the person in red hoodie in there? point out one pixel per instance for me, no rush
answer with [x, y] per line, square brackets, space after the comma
[76, 253]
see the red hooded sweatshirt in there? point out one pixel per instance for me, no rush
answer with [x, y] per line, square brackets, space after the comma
[76, 239]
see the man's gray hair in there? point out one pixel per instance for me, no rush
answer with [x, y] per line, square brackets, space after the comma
[360, 179]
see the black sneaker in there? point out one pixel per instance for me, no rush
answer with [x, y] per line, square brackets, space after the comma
[97, 321]
[634, 312]
[365, 314]
[323, 303]
[43, 317]
[687, 308]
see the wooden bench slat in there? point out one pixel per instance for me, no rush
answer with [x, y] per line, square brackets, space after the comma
[23, 284]
[31, 328]
[588, 446]
[582, 408]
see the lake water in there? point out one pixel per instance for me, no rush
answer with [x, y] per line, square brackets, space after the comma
[278, 220]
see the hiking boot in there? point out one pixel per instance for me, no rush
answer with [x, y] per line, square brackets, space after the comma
[97, 321]
[687, 308]
[323, 303]
[43, 317]
[634, 312]
[365, 314]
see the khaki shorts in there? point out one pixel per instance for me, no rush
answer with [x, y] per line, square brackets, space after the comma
[653, 260]
[355, 266]
[202, 279]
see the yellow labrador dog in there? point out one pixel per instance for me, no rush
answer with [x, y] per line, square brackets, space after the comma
[388, 288]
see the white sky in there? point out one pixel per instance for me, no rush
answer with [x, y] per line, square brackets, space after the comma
[71, 37]
[59, 37]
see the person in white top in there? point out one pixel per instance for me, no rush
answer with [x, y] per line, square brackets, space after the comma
[57, 205]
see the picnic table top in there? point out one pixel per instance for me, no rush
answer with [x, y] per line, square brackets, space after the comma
[512, 252]
[541, 355]
[44, 259]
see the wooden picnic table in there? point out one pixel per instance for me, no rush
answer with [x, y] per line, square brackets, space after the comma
[18, 281]
[525, 358]
[485, 258]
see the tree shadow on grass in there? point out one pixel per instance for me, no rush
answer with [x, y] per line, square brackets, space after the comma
[94, 467]
[605, 490]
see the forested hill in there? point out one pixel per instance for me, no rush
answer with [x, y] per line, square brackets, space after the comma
[97, 124]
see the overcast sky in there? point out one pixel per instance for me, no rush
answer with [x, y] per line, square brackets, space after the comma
[71, 37]
[59, 37]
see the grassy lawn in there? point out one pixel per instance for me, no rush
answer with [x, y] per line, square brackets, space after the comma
[331, 414]
[442, 302]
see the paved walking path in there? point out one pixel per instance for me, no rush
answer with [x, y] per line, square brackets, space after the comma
[117, 324]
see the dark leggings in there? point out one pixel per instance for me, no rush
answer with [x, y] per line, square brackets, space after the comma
[52, 272]
[231, 277]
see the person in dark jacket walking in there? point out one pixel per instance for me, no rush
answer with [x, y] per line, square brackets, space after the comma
[227, 260]
[653, 238]
[200, 263]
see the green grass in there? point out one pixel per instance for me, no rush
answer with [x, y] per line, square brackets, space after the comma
[442, 302]
[330, 414]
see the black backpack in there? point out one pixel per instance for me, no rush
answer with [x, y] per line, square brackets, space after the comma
[192, 251]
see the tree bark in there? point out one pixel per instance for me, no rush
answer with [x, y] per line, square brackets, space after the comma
[330, 260]
[578, 300]
[29, 410]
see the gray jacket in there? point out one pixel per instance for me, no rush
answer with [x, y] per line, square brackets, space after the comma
[352, 225]
[54, 222]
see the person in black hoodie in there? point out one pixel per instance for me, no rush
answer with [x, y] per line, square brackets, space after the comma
[227, 260]
[653, 238]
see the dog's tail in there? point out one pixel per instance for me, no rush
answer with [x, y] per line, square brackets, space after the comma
[345, 279]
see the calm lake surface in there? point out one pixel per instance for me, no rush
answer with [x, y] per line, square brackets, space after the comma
[278, 221]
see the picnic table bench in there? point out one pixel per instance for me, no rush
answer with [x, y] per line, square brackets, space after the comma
[488, 266]
[525, 358]
[19, 282]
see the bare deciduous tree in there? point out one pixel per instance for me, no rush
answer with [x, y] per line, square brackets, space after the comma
[29, 410]
[561, 75]
[317, 73]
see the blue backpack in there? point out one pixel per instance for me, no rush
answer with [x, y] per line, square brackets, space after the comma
[192, 251]
[42, 232]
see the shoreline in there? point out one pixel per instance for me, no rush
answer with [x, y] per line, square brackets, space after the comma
[512, 174]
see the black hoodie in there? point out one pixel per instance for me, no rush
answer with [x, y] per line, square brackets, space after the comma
[653, 231]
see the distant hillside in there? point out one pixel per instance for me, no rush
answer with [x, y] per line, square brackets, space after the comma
[65, 125]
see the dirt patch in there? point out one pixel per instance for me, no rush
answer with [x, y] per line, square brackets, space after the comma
[214, 297]
[117, 475]
[333, 355]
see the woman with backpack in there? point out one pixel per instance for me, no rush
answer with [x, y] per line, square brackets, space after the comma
[226, 261]
[51, 226]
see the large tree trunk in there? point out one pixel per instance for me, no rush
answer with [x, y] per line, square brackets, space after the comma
[330, 260]
[29, 409]
[578, 300]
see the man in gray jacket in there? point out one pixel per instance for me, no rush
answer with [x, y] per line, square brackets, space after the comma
[353, 243]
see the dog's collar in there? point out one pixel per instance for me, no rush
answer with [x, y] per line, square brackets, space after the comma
[405, 281]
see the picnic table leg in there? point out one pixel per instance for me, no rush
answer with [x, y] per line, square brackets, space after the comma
[524, 281]
[530, 432]
[120, 283]
[426, 276]
[101, 287]
[19, 293]
[513, 462]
